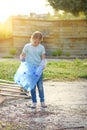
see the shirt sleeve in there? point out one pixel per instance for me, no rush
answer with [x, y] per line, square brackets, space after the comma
[43, 50]
[25, 49]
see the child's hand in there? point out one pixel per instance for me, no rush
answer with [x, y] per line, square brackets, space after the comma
[43, 63]
[22, 57]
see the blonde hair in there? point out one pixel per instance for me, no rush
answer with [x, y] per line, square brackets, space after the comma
[36, 35]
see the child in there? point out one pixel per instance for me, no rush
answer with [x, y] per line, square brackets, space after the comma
[34, 53]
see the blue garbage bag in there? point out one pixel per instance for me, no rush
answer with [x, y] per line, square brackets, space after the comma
[27, 75]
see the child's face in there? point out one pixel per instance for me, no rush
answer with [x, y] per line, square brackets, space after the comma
[36, 42]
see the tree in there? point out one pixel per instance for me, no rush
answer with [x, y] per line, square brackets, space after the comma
[72, 6]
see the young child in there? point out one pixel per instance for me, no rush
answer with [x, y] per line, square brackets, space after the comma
[34, 53]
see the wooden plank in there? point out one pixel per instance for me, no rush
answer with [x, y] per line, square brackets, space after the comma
[13, 95]
[6, 81]
[21, 91]
[10, 86]
[14, 91]
[11, 89]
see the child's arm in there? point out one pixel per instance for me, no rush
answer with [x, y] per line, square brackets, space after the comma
[43, 56]
[43, 62]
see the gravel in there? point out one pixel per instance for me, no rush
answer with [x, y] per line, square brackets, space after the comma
[66, 109]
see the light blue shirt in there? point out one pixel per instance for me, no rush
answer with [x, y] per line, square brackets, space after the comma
[33, 53]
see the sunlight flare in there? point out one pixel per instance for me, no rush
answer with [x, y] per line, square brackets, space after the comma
[22, 7]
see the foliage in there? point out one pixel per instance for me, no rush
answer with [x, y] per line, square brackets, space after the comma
[63, 70]
[8, 69]
[8, 56]
[67, 54]
[66, 70]
[58, 52]
[5, 35]
[5, 31]
[13, 51]
[73, 6]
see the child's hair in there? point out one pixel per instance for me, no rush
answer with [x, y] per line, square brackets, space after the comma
[36, 35]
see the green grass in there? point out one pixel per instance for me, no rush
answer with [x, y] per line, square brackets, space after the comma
[66, 70]
[8, 69]
[8, 56]
[61, 71]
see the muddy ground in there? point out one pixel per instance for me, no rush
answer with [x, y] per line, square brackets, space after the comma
[67, 109]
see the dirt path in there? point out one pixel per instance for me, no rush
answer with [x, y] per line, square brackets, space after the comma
[67, 109]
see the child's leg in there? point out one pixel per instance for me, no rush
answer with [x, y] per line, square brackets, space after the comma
[41, 89]
[33, 95]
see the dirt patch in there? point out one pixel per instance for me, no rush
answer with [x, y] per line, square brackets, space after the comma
[67, 109]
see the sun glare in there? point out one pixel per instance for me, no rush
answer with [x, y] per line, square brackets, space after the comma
[3, 17]
[22, 7]
[61, 12]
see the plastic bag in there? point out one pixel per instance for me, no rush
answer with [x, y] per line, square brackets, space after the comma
[27, 75]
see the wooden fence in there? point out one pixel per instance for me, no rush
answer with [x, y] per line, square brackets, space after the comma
[70, 36]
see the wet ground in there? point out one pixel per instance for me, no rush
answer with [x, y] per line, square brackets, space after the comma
[67, 109]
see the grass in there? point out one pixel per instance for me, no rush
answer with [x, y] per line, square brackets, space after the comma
[8, 69]
[8, 56]
[66, 70]
[61, 71]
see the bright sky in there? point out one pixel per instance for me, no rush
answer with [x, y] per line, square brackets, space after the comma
[16, 7]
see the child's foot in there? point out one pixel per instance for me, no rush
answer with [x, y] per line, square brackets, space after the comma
[33, 106]
[43, 105]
